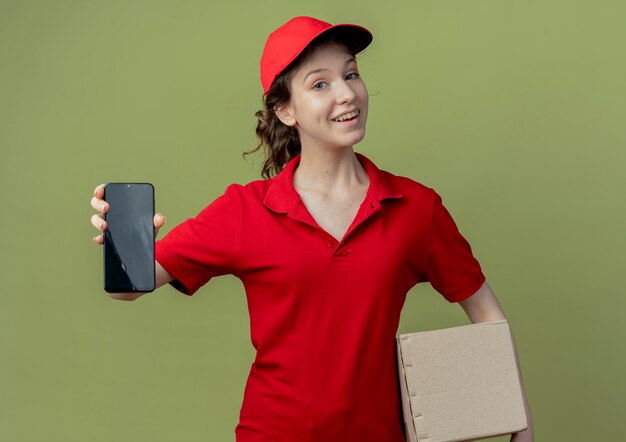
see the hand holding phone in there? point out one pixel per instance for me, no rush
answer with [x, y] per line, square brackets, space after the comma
[129, 238]
[97, 220]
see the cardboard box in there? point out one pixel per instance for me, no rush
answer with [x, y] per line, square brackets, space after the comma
[460, 383]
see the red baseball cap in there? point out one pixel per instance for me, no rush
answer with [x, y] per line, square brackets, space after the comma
[287, 42]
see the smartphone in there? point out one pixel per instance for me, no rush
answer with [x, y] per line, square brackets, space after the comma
[129, 238]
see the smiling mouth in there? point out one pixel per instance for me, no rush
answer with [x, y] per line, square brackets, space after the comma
[347, 116]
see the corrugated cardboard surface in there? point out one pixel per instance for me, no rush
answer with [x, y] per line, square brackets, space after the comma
[460, 383]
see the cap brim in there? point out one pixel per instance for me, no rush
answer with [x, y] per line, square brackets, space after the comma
[355, 37]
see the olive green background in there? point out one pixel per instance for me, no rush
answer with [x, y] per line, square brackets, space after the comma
[513, 110]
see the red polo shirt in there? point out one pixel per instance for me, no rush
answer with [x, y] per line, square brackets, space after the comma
[323, 314]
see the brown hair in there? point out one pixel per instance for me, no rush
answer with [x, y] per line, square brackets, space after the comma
[281, 143]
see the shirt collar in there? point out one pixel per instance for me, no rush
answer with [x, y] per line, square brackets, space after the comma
[281, 196]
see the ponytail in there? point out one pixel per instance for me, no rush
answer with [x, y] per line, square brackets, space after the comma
[281, 143]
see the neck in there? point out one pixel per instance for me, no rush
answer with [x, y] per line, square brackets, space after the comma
[329, 171]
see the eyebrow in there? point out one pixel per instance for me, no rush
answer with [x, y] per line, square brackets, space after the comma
[316, 71]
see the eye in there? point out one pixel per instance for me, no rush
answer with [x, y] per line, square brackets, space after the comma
[320, 85]
[352, 76]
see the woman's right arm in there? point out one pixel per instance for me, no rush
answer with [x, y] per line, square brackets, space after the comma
[98, 203]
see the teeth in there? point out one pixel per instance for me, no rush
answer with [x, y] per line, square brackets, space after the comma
[347, 116]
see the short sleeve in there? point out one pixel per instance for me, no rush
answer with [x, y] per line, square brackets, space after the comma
[202, 247]
[452, 269]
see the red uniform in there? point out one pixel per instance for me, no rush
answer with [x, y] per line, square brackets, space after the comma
[323, 314]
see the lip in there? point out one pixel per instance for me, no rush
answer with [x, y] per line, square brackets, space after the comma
[346, 112]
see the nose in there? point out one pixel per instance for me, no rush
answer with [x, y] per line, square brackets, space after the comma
[344, 92]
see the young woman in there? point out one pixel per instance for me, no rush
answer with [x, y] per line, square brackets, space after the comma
[327, 246]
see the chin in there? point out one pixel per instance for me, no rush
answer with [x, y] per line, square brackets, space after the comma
[357, 139]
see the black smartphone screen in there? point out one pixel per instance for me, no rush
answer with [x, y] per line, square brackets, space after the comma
[129, 238]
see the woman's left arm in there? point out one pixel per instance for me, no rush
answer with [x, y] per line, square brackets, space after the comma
[483, 306]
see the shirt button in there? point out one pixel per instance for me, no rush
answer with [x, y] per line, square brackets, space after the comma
[330, 243]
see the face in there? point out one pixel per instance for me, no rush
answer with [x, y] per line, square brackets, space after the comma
[328, 104]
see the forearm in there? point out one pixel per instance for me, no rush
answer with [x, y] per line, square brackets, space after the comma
[162, 278]
[483, 306]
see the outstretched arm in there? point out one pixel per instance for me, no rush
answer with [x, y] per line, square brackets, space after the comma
[483, 306]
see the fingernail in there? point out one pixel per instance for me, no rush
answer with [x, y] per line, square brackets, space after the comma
[101, 224]
[102, 206]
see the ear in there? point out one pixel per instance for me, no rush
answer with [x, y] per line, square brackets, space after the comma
[286, 115]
